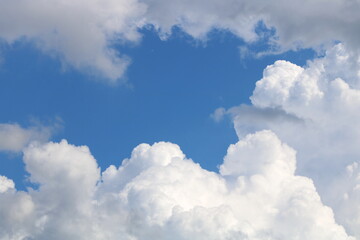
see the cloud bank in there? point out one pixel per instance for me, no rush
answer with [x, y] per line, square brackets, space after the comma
[82, 33]
[158, 193]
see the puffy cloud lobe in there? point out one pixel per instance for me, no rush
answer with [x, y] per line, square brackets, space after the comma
[313, 109]
[14, 138]
[281, 162]
[67, 176]
[158, 193]
[6, 184]
[285, 82]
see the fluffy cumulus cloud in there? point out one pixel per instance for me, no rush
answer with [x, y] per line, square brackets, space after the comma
[82, 33]
[158, 193]
[314, 109]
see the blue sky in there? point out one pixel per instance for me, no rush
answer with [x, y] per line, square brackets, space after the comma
[173, 86]
[175, 119]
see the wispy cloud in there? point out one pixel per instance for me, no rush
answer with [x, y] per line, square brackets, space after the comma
[14, 138]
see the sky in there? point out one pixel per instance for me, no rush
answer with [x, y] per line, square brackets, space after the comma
[153, 119]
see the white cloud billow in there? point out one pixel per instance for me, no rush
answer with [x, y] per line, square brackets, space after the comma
[160, 194]
[6, 184]
[315, 110]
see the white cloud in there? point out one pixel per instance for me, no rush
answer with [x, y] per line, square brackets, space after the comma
[346, 195]
[6, 184]
[314, 109]
[158, 193]
[297, 23]
[78, 32]
[219, 114]
[14, 138]
[81, 33]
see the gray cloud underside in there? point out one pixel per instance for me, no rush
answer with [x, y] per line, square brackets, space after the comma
[81, 33]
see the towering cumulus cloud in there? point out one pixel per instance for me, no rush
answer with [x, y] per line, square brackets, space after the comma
[160, 194]
[314, 109]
